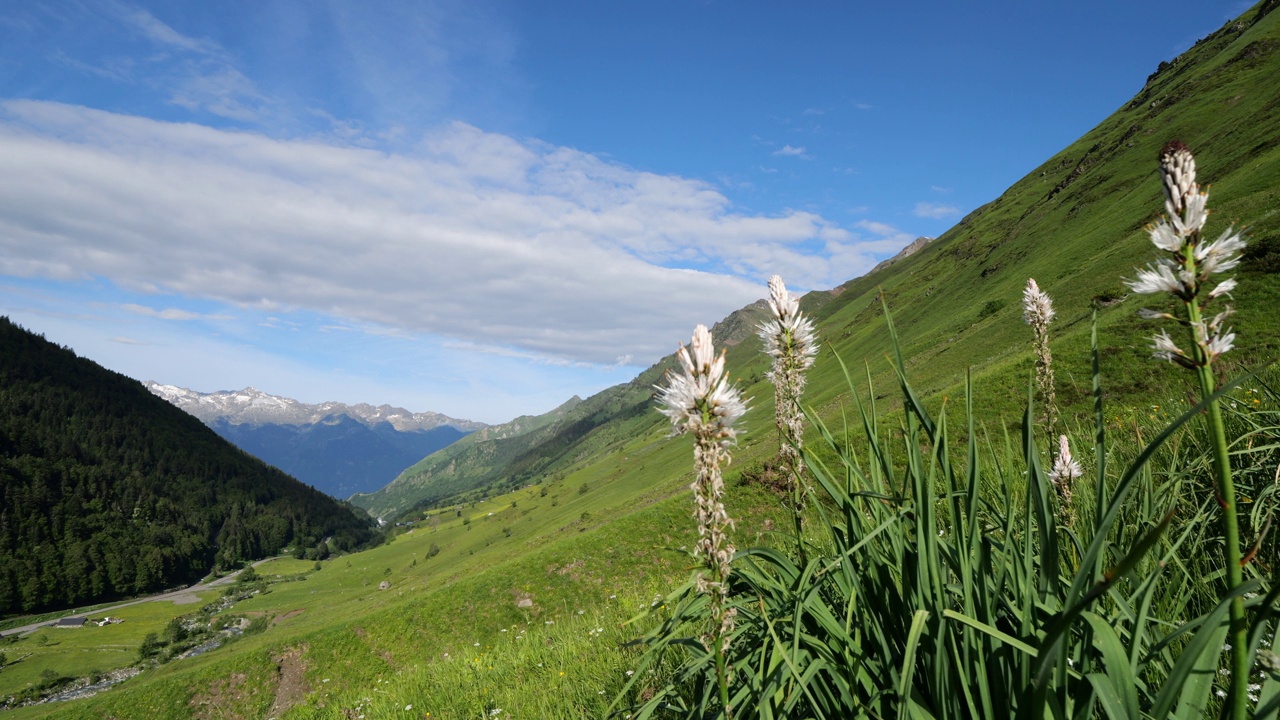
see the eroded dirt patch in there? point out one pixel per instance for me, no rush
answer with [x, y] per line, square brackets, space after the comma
[221, 700]
[291, 686]
[287, 616]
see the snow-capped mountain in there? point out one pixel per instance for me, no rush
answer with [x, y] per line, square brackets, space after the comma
[337, 448]
[255, 407]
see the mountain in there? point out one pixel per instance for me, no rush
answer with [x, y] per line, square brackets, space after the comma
[337, 448]
[1075, 223]
[545, 447]
[911, 249]
[109, 491]
[254, 407]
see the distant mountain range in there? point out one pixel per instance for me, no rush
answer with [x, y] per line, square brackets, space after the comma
[337, 448]
[255, 407]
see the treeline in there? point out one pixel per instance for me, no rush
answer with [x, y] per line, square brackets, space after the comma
[108, 491]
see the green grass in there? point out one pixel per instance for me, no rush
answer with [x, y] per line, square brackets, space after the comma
[78, 652]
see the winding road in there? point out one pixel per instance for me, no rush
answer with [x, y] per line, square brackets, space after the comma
[181, 596]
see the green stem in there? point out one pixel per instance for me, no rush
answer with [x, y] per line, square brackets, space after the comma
[721, 677]
[1236, 707]
[798, 516]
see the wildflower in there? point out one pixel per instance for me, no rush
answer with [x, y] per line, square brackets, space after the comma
[789, 338]
[1065, 470]
[1183, 276]
[408, 707]
[1186, 273]
[701, 401]
[1037, 310]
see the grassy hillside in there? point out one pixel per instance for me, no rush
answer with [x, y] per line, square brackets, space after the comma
[490, 625]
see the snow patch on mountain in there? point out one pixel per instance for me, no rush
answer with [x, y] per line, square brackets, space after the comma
[255, 407]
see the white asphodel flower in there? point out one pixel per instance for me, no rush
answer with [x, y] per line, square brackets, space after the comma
[1165, 236]
[1193, 263]
[1224, 288]
[1037, 307]
[1165, 348]
[789, 332]
[1158, 277]
[1178, 179]
[1220, 255]
[700, 400]
[701, 396]
[1065, 468]
[789, 338]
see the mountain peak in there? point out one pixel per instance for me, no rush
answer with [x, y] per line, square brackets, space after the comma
[254, 407]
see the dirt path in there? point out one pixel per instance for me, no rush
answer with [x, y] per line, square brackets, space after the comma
[183, 596]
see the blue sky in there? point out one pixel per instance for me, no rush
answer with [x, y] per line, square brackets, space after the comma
[482, 208]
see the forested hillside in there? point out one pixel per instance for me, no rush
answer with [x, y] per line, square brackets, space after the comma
[107, 490]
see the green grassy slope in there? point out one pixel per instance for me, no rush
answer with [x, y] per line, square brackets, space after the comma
[472, 461]
[598, 539]
[1076, 225]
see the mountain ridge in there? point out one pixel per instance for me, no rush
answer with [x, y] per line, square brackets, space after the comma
[254, 406]
[336, 448]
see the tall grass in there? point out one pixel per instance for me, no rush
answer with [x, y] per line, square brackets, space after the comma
[945, 583]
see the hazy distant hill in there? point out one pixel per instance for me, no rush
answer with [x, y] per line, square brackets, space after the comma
[337, 448]
[108, 490]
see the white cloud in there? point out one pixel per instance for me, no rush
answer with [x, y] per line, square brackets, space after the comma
[473, 236]
[789, 151]
[935, 211]
[170, 313]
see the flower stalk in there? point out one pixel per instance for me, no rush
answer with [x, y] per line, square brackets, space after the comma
[1037, 310]
[1185, 274]
[790, 340]
[699, 400]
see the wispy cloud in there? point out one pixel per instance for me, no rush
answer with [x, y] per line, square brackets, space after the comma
[194, 73]
[158, 32]
[935, 211]
[128, 341]
[473, 236]
[790, 151]
[171, 313]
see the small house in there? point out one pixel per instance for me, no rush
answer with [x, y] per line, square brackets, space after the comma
[69, 622]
